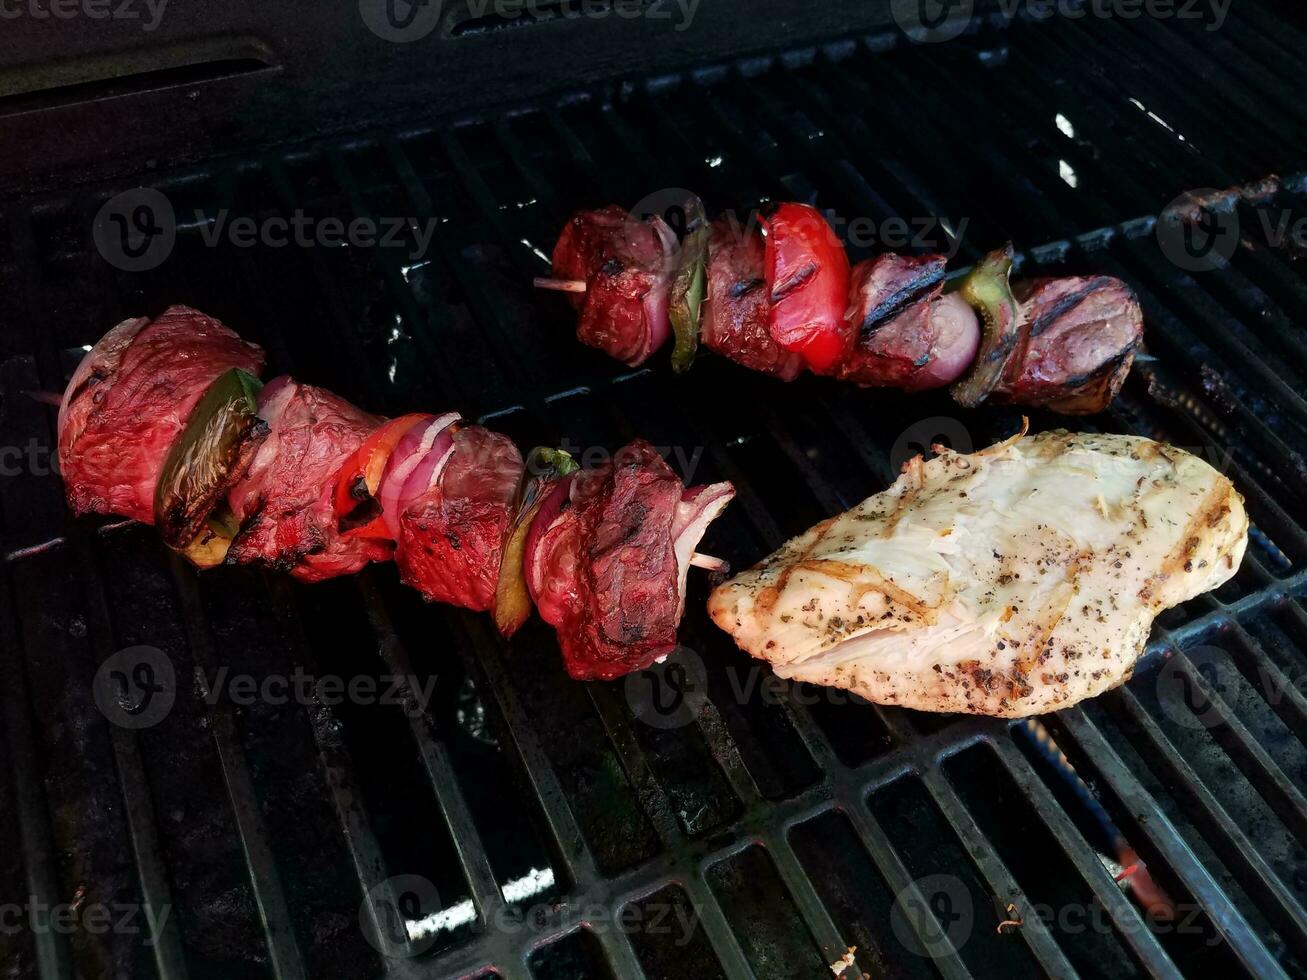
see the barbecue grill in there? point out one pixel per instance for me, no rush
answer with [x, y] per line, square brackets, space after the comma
[517, 823]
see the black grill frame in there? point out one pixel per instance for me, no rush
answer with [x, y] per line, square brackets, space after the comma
[771, 155]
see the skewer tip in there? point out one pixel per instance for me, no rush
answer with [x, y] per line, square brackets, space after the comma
[560, 285]
[46, 397]
[709, 562]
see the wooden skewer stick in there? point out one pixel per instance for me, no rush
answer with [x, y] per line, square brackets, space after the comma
[560, 285]
[46, 397]
[710, 562]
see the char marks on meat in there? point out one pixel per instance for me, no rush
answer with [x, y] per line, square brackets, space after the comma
[452, 537]
[909, 335]
[628, 265]
[129, 400]
[606, 573]
[735, 312]
[1075, 344]
[284, 501]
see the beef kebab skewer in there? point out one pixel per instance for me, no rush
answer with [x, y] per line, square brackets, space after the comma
[782, 298]
[165, 422]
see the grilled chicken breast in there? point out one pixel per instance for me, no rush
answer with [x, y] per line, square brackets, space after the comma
[1013, 581]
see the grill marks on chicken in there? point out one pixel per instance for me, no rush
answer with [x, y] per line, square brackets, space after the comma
[1013, 581]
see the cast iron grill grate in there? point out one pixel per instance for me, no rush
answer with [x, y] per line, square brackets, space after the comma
[785, 825]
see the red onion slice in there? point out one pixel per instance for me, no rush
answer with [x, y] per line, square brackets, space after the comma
[410, 451]
[426, 474]
[551, 509]
[699, 507]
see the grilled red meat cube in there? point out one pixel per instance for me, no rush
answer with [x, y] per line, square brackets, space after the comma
[452, 536]
[1076, 341]
[608, 567]
[284, 503]
[736, 311]
[909, 336]
[627, 266]
[129, 400]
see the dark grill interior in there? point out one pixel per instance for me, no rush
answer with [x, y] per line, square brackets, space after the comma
[779, 828]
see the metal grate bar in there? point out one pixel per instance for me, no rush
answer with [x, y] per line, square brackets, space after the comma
[495, 314]
[1166, 840]
[1291, 706]
[338, 768]
[138, 804]
[725, 946]
[815, 917]
[990, 864]
[1256, 763]
[1239, 853]
[653, 798]
[40, 860]
[1240, 81]
[1141, 940]
[54, 960]
[283, 951]
[472, 856]
[421, 327]
[334, 307]
[900, 880]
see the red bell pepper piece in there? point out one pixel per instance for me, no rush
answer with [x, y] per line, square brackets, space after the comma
[359, 477]
[807, 274]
